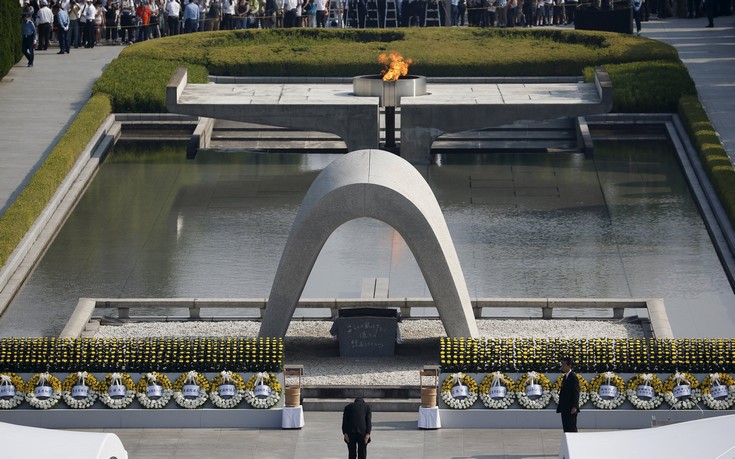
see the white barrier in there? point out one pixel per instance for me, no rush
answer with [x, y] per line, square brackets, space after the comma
[710, 438]
[34, 442]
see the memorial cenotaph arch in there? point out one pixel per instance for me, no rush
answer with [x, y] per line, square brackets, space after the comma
[380, 185]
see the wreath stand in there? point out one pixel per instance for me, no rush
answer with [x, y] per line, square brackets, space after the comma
[293, 412]
[428, 411]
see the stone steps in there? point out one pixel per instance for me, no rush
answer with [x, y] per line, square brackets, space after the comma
[546, 136]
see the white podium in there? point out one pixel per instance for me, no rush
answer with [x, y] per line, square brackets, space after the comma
[293, 417]
[429, 418]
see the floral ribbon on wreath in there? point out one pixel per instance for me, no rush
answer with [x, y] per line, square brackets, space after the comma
[191, 377]
[714, 378]
[532, 377]
[116, 379]
[5, 380]
[497, 379]
[608, 377]
[261, 378]
[680, 378]
[227, 377]
[647, 378]
[457, 378]
[152, 378]
[81, 376]
[43, 378]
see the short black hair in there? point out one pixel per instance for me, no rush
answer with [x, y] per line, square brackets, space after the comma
[567, 361]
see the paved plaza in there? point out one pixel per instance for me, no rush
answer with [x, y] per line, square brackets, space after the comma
[395, 435]
[38, 104]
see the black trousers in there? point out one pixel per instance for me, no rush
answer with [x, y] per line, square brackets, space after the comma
[569, 422]
[357, 449]
[44, 34]
[28, 42]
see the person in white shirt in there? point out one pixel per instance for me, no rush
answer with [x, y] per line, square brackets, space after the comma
[321, 12]
[89, 12]
[290, 18]
[173, 11]
[228, 14]
[44, 23]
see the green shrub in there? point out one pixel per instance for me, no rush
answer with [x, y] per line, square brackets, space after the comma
[10, 38]
[138, 84]
[711, 153]
[647, 87]
[19, 217]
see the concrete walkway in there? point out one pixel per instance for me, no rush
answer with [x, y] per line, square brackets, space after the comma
[37, 105]
[395, 435]
[709, 54]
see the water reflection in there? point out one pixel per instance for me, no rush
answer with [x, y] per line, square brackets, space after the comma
[525, 225]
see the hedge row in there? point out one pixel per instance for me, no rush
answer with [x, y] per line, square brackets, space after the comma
[134, 79]
[10, 38]
[32, 355]
[713, 156]
[26, 208]
[632, 355]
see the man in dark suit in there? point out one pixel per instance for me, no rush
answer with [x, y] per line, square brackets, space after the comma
[356, 426]
[568, 397]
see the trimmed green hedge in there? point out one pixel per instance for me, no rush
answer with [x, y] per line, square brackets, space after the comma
[10, 38]
[713, 156]
[26, 208]
[134, 79]
[138, 83]
[647, 87]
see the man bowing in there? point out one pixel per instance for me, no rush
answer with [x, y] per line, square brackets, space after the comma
[356, 426]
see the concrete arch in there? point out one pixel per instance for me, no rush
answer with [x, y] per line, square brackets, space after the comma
[379, 185]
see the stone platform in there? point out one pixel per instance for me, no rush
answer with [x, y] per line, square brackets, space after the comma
[334, 108]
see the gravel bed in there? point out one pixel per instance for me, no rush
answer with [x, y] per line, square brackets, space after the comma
[410, 329]
[309, 343]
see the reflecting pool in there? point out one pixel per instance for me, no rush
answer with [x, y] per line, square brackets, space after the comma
[152, 224]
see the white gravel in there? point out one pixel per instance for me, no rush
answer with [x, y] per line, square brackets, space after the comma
[329, 369]
[410, 329]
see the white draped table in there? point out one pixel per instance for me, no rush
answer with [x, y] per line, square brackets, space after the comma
[429, 418]
[293, 417]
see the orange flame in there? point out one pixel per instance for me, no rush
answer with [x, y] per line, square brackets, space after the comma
[395, 66]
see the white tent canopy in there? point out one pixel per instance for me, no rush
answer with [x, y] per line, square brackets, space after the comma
[710, 438]
[34, 442]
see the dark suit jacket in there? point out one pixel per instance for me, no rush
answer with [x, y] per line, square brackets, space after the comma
[357, 418]
[569, 394]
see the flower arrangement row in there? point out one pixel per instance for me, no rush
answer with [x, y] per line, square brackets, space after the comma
[631, 355]
[30, 355]
[606, 391]
[154, 390]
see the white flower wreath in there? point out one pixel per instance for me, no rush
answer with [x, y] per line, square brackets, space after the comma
[646, 380]
[524, 399]
[191, 378]
[43, 380]
[584, 389]
[117, 380]
[154, 379]
[494, 380]
[227, 378]
[83, 379]
[718, 380]
[12, 393]
[271, 399]
[682, 403]
[459, 379]
[607, 379]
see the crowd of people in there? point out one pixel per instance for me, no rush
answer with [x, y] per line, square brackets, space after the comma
[89, 23]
